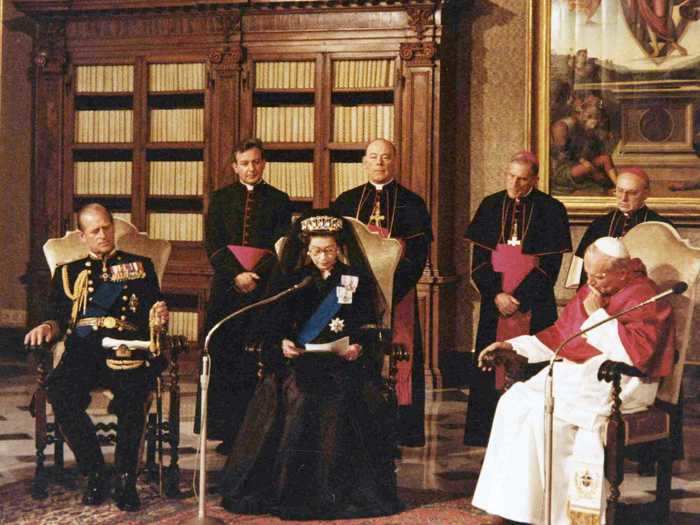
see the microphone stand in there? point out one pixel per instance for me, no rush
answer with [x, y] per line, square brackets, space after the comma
[202, 518]
[549, 394]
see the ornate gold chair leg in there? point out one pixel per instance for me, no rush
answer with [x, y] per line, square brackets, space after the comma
[172, 472]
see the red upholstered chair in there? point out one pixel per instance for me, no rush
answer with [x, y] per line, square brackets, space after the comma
[67, 249]
[668, 259]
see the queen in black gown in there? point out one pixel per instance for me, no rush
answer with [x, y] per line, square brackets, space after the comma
[317, 441]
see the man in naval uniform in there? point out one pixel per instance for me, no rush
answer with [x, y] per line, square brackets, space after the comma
[244, 221]
[518, 236]
[394, 211]
[113, 294]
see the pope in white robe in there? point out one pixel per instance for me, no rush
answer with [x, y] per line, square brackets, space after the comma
[511, 483]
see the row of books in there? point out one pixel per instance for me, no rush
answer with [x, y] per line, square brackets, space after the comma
[285, 123]
[294, 178]
[184, 323]
[171, 177]
[176, 77]
[177, 125]
[176, 226]
[347, 175]
[187, 178]
[363, 123]
[284, 75]
[102, 178]
[100, 126]
[123, 215]
[104, 79]
[363, 73]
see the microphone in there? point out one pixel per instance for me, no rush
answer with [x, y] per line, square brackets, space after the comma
[306, 281]
[204, 384]
[677, 288]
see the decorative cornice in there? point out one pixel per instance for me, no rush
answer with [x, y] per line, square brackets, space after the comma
[339, 4]
[418, 53]
[420, 18]
[231, 23]
[73, 7]
[161, 24]
[50, 45]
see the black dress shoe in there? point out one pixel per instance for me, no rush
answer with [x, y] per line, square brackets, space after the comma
[96, 490]
[125, 493]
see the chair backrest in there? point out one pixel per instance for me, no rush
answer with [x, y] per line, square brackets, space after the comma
[669, 259]
[382, 255]
[127, 238]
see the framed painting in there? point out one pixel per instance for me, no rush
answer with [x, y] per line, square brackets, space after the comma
[616, 84]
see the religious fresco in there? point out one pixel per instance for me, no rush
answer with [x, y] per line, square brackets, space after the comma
[622, 89]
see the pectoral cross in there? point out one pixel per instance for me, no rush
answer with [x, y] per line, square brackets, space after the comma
[514, 241]
[376, 217]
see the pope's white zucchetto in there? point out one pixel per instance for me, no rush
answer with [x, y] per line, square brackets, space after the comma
[612, 247]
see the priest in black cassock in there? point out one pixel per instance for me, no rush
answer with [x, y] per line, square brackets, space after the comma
[244, 221]
[518, 236]
[631, 192]
[386, 206]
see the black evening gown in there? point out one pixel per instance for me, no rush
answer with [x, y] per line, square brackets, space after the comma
[317, 441]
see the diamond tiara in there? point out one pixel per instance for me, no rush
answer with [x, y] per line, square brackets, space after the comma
[321, 223]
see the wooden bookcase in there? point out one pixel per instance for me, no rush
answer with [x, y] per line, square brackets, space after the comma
[139, 103]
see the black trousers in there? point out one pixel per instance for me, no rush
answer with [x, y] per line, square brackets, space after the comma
[81, 369]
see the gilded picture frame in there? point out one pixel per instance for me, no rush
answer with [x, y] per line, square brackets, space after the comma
[613, 88]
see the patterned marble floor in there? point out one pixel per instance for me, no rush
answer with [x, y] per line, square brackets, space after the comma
[444, 465]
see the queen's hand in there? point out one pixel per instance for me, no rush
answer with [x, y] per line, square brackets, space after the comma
[290, 350]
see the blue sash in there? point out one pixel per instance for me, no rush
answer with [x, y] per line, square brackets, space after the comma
[102, 301]
[320, 318]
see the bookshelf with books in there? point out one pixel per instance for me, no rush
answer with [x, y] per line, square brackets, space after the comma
[283, 100]
[100, 134]
[175, 153]
[363, 96]
[185, 314]
[362, 100]
[139, 104]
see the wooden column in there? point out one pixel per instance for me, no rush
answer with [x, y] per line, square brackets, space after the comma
[421, 171]
[48, 218]
[224, 81]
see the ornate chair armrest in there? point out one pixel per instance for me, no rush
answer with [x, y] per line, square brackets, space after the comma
[611, 371]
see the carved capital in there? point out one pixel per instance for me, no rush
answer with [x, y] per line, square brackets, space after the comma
[50, 46]
[227, 58]
[418, 53]
[419, 18]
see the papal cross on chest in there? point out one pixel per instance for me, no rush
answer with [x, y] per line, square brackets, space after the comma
[514, 241]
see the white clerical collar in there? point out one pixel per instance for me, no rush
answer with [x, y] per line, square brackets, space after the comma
[380, 187]
[249, 187]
